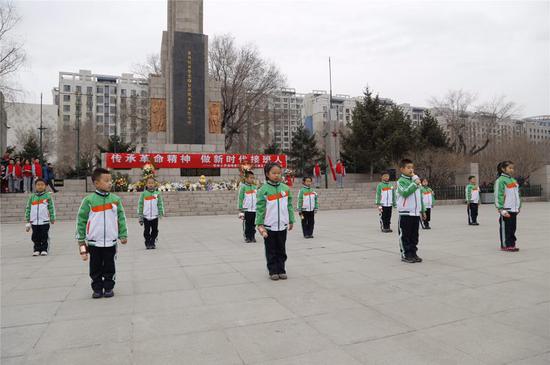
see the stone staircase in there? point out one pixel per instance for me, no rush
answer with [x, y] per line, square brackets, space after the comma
[184, 203]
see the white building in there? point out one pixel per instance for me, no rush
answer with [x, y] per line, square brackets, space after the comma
[537, 128]
[327, 121]
[114, 104]
[22, 117]
[415, 113]
[285, 108]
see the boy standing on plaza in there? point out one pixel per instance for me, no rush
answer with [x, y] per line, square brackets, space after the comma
[39, 214]
[385, 200]
[472, 200]
[150, 209]
[410, 207]
[247, 206]
[308, 204]
[428, 199]
[100, 223]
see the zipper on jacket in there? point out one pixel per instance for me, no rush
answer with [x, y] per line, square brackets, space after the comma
[278, 209]
[104, 224]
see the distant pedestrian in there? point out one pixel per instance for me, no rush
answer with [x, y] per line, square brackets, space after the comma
[317, 175]
[27, 176]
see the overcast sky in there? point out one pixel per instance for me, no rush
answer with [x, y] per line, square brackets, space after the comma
[408, 51]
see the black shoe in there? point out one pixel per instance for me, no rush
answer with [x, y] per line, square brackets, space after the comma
[147, 247]
[417, 259]
[409, 260]
[97, 294]
[153, 247]
[310, 236]
[475, 224]
[108, 294]
[246, 240]
[253, 240]
[389, 230]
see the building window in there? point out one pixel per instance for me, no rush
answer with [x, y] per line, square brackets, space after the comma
[112, 99]
[143, 94]
[67, 108]
[67, 88]
[99, 90]
[66, 118]
[99, 99]
[89, 90]
[113, 110]
[79, 89]
[99, 119]
[133, 93]
[123, 92]
[99, 109]
[66, 98]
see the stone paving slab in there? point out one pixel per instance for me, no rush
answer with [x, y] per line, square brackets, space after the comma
[203, 296]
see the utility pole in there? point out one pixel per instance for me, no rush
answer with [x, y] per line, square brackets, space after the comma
[41, 129]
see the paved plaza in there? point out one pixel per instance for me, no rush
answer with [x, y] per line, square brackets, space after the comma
[203, 296]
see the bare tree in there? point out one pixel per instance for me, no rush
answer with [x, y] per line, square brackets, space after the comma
[527, 155]
[23, 134]
[151, 66]
[246, 79]
[455, 108]
[458, 111]
[12, 55]
[434, 164]
[67, 145]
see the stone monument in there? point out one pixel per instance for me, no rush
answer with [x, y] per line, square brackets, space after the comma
[185, 105]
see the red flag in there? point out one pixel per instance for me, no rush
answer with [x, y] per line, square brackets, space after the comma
[331, 168]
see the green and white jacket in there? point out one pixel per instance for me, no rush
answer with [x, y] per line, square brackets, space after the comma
[472, 194]
[40, 209]
[385, 195]
[428, 197]
[274, 206]
[307, 200]
[247, 198]
[409, 197]
[150, 205]
[507, 194]
[101, 220]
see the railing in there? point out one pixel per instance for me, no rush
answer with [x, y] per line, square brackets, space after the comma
[449, 192]
[459, 192]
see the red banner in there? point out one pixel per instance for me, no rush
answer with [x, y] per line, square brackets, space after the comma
[189, 160]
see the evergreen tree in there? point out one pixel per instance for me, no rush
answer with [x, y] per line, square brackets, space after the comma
[303, 151]
[380, 134]
[116, 144]
[31, 149]
[272, 149]
[429, 134]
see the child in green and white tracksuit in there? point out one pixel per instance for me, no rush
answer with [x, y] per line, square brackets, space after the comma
[385, 200]
[150, 209]
[247, 206]
[100, 223]
[429, 200]
[508, 204]
[308, 205]
[472, 200]
[39, 213]
[410, 206]
[274, 215]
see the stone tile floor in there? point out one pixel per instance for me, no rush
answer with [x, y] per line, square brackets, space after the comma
[203, 296]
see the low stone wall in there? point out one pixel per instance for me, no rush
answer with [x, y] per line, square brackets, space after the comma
[12, 208]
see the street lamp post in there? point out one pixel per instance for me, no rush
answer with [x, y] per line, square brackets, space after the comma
[41, 129]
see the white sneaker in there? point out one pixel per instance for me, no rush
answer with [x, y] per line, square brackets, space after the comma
[36, 253]
[43, 253]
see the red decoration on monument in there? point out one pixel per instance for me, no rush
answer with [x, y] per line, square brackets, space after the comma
[189, 160]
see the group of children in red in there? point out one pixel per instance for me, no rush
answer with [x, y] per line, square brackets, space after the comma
[19, 178]
[101, 222]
